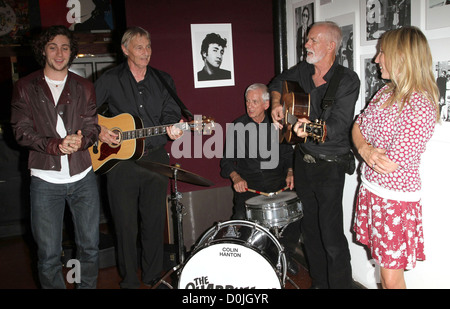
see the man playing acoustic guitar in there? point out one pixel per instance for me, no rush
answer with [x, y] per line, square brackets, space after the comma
[133, 191]
[320, 167]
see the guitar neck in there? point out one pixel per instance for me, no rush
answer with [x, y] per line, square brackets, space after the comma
[152, 131]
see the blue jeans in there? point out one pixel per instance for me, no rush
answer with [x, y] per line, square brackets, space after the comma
[48, 202]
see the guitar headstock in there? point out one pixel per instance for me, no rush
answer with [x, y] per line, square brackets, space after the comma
[204, 126]
[208, 125]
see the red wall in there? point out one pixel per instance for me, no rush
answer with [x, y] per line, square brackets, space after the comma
[169, 22]
[53, 13]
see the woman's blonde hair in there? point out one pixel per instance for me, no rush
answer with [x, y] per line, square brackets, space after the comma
[409, 62]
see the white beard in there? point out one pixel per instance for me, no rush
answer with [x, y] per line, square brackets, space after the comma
[313, 57]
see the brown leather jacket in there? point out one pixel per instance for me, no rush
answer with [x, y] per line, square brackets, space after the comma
[34, 115]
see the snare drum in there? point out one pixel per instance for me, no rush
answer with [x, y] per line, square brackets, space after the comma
[274, 211]
[235, 255]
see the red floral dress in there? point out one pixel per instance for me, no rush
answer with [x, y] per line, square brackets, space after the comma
[389, 220]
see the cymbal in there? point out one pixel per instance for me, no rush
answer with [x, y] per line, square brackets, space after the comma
[182, 175]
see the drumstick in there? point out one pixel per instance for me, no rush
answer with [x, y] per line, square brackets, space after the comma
[267, 194]
[258, 192]
[281, 190]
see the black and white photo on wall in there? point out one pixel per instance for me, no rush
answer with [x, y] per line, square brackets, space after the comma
[379, 16]
[442, 72]
[304, 18]
[346, 53]
[212, 55]
[300, 15]
[371, 81]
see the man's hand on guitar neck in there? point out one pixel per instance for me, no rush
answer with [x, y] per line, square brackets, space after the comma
[107, 136]
[174, 132]
[277, 109]
[299, 127]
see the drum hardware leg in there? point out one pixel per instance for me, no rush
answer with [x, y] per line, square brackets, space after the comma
[163, 279]
[175, 199]
[292, 282]
[276, 232]
[280, 265]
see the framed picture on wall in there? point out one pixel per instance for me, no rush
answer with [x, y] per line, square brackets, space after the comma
[212, 55]
[346, 52]
[300, 15]
[437, 14]
[442, 74]
[379, 16]
[371, 80]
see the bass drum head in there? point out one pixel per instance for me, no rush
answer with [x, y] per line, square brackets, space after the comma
[228, 266]
[235, 254]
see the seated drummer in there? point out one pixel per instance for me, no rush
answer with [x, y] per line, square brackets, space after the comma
[252, 163]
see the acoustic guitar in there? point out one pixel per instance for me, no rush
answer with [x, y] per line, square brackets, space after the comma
[131, 139]
[296, 104]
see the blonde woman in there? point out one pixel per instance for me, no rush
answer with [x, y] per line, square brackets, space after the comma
[390, 136]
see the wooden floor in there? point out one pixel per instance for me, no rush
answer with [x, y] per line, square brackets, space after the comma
[18, 264]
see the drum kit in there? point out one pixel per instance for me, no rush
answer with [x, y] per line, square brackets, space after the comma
[234, 254]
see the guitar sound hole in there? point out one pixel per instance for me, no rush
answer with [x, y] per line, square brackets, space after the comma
[119, 137]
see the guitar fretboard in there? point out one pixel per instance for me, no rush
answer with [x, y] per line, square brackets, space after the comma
[151, 131]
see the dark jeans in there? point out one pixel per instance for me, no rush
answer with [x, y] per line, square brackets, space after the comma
[320, 188]
[135, 193]
[48, 202]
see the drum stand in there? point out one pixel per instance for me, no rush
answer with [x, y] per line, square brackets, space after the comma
[277, 232]
[175, 172]
[175, 199]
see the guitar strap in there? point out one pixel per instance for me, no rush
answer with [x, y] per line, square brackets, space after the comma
[327, 101]
[329, 97]
[184, 109]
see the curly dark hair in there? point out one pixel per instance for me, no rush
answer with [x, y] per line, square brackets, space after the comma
[47, 36]
[212, 38]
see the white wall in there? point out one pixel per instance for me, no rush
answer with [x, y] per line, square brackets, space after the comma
[434, 272]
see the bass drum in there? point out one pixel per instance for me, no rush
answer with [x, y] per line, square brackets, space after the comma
[235, 255]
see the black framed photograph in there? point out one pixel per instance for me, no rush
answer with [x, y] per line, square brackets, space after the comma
[371, 80]
[379, 16]
[300, 15]
[346, 52]
[212, 55]
[443, 82]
